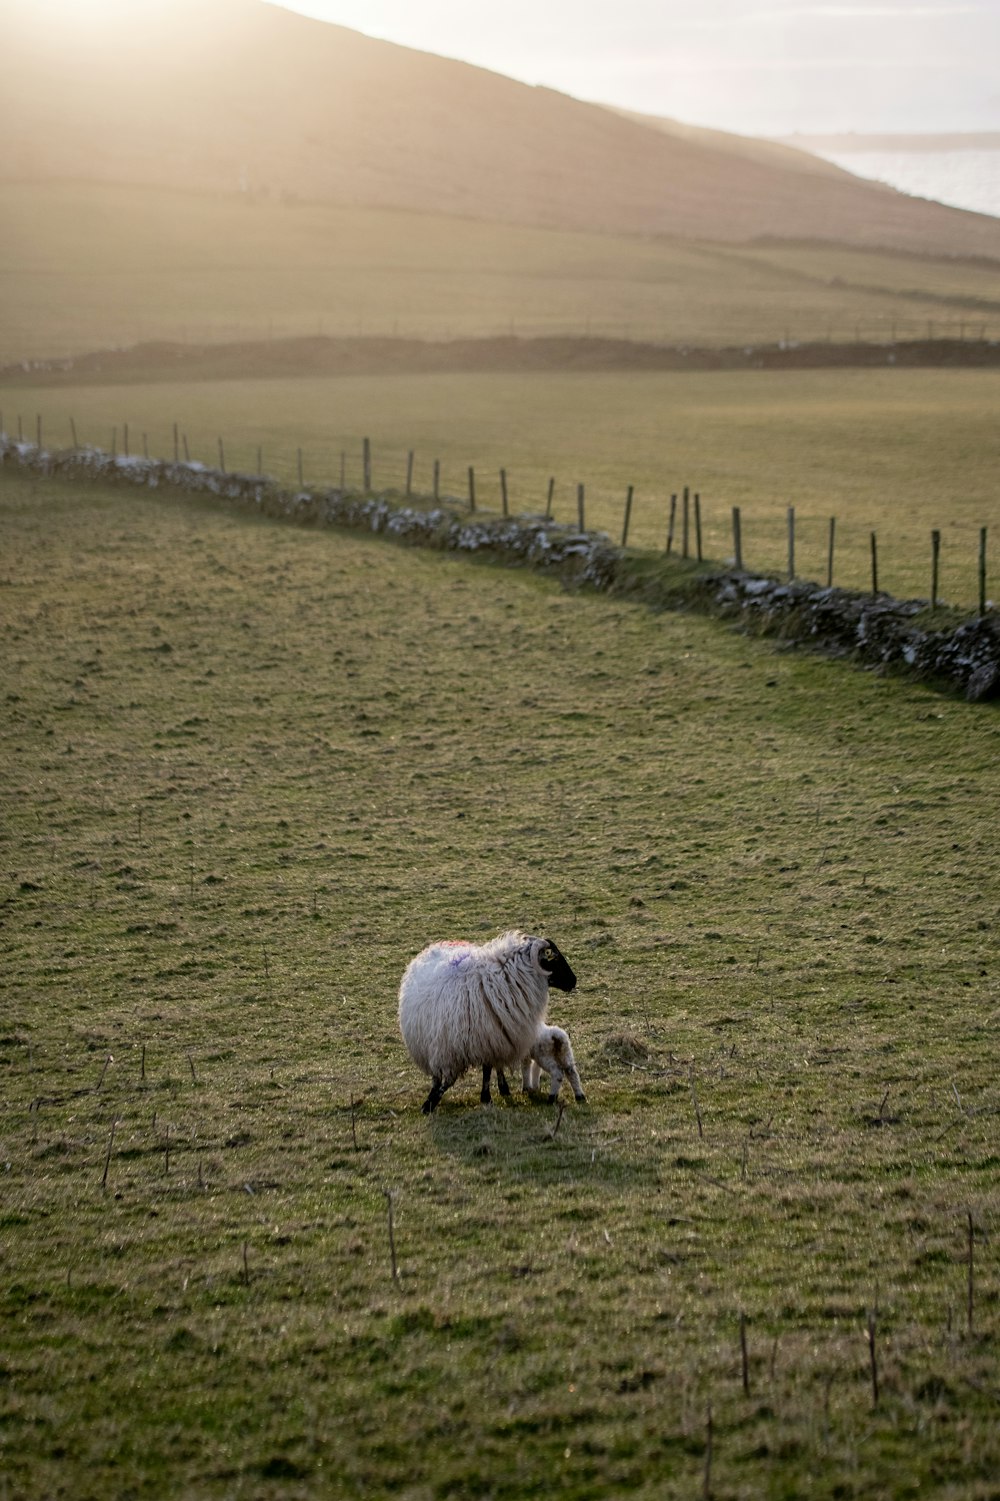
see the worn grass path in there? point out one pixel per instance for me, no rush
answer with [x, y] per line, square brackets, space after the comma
[247, 770]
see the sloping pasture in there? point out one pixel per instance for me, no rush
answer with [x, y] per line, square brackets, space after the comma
[86, 266]
[247, 771]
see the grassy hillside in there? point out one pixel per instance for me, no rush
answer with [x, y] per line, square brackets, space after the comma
[272, 102]
[86, 267]
[248, 771]
[901, 452]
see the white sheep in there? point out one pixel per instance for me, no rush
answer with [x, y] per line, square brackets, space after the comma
[551, 1053]
[465, 1005]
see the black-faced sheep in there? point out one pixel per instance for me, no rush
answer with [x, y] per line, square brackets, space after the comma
[551, 1053]
[466, 1005]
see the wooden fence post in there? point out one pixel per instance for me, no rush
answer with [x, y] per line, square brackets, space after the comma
[548, 503]
[114, 442]
[982, 570]
[343, 469]
[260, 461]
[302, 483]
[935, 566]
[685, 524]
[187, 451]
[222, 457]
[874, 564]
[177, 451]
[124, 436]
[697, 526]
[671, 524]
[72, 428]
[579, 507]
[409, 473]
[437, 479]
[829, 553]
[737, 539]
[628, 516]
[366, 464]
[791, 542]
[38, 430]
[503, 491]
[472, 488]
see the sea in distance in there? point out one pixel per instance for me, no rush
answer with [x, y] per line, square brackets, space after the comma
[961, 171]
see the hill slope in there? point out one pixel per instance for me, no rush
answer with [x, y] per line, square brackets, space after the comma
[227, 94]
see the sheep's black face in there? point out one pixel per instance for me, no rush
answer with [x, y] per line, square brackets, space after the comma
[555, 966]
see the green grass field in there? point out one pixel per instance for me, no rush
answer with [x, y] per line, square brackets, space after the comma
[897, 452]
[85, 267]
[248, 770]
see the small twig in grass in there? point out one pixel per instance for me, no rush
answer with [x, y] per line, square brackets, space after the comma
[166, 1153]
[142, 1063]
[555, 1128]
[872, 1357]
[694, 1101]
[881, 1108]
[389, 1197]
[246, 1266]
[774, 1358]
[107, 1062]
[744, 1360]
[194, 1076]
[107, 1155]
[354, 1128]
[706, 1488]
[970, 1292]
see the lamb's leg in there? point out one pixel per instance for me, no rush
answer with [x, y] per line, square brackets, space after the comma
[555, 1079]
[574, 1079]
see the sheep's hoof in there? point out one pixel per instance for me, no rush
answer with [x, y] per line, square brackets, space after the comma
[581, 1099]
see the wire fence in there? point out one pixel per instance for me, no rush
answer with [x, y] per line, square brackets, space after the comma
[971, 327]
[677, 523]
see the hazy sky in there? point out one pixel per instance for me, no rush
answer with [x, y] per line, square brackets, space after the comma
[760, 67]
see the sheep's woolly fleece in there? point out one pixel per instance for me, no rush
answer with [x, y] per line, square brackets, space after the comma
[464, 1005]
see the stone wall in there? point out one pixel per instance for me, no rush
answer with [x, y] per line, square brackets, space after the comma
[876, 631]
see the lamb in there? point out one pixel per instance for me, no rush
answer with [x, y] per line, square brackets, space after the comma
[465, 1005]
[551, 1051]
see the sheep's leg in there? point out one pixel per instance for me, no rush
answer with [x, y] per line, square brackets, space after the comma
[502, 1084]
[484, 1094]
[433, 1100]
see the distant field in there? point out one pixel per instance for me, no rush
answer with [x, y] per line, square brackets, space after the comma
[246, 770]
[897, 452]
[87, 267]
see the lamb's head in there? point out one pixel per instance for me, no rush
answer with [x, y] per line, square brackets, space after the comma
[552, 964]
